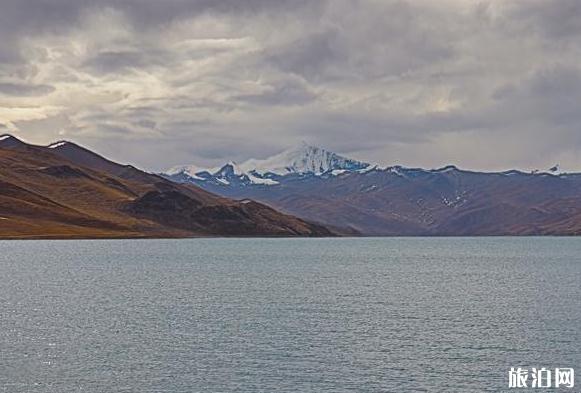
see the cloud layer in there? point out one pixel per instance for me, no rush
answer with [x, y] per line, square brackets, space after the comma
[485, 85]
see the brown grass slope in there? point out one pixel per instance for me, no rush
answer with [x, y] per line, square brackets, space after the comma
[75, 193]
[450, 202]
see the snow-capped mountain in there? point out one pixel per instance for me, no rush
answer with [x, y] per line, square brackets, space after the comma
[300, 161]
[315, 185]
[555, 170]
[354, 197]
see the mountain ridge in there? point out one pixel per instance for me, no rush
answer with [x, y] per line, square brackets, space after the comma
[330, 163]
[67, 191]
[396, 200]
[301, 159]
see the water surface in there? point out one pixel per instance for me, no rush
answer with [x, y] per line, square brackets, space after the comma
[286, 315]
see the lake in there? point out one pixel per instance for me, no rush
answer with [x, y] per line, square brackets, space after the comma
[286, 315]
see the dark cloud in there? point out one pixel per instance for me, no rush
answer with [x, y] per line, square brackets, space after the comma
[37, 16]
[24, 90]
[365, 40]
[310, 57]
[484, 84]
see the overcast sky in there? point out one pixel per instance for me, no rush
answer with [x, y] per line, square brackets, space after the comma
[480, 84]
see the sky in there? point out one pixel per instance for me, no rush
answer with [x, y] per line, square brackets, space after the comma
[487, 85]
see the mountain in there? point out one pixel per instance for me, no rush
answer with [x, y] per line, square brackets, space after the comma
[86, 158]
[296, 163]
[67, 191]
[359, 198]
[302, 159]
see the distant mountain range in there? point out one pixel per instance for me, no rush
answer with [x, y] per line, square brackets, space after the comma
[66, 191]
[298, 162]
[354, 197]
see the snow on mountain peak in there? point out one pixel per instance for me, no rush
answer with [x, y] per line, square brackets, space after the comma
[189, 170]
[555, 170]
[10, 140]
[300, 159]
[231, 168]
[57, 144]
[303, 158]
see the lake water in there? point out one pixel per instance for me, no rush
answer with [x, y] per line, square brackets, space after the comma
[286, 315]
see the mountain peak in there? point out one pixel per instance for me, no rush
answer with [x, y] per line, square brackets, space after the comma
[304, 147]
[302, 158]
[8, 140]
[555, 170]
[230, 169]
[447, 168]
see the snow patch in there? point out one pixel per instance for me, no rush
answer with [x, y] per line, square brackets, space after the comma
[236, 168]
[196, 177]
[259, 180]
[556, 170]
[57, 144]
[230, 168]
[369, 169]
[369, 188]
[396, 170]
[191, 171]
[2, 137]
[185, 169]
[337, 172]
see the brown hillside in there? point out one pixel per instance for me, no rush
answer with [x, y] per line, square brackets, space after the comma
[75, 193]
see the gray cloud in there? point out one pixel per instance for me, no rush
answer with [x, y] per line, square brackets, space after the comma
[24, 90]
[491, 84]
[292, 91]
[107, 62]
[554, 20]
